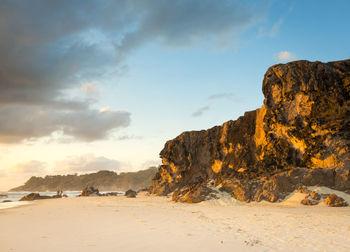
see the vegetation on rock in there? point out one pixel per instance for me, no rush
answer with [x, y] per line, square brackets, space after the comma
[103, 180]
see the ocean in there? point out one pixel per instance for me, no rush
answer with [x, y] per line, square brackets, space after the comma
[14, 197]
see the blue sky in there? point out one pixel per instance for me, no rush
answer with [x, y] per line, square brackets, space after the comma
[87, 87]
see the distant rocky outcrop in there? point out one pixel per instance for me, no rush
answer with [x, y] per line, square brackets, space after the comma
[130, 194]
[37, 196]
[104, 180]
[90, 191]
[300, 136]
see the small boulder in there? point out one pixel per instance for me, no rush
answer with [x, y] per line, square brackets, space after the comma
[315, 196]
[34, 196]
[308, 201]
[30, 197]
[90, 191]
[5, 201]
[130, 194]
[335, 201]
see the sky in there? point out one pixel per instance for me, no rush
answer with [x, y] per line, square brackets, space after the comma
[102, 85]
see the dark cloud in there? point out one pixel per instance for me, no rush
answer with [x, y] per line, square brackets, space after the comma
[87, 163]
[200, 111]
[26, 122]
[48, 48]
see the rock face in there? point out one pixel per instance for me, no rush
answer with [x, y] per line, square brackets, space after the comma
[304, 122]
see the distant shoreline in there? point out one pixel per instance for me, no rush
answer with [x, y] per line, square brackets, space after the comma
[103, 180]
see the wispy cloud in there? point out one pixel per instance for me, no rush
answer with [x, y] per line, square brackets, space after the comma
[227, 96]
[285, 56]
[87, 163]
[271, 31]
[90, 89]
[276, 27]
[129, 137]
[200, 111]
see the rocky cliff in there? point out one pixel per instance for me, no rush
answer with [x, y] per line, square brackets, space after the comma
[300, 136]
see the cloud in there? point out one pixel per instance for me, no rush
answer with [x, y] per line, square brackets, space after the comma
[105, 109]
[33, 122]
[50, 48]
[32, 167]
[227, 96]
[87, 163]
[90, 89]
[272, 31]
[150, 163]
[285, 56]
[200, 111]
[129, 137]
[276, 27]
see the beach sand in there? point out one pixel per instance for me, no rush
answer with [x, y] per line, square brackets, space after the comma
[149, 223]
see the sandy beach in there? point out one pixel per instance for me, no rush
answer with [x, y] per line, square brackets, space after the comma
[148, 223]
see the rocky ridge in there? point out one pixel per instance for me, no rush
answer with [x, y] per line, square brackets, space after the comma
[104, 180]
[300, 136]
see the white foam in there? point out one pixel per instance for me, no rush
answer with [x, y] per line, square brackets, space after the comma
[6, 205]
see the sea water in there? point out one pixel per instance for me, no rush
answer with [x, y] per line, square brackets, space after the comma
[14, 197]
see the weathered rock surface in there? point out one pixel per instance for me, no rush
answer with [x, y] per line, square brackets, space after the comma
[304, 122]
[35, 196]
[194, 193]
[335, 201]
[90, 191]
[313, 198]
[130, 194]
